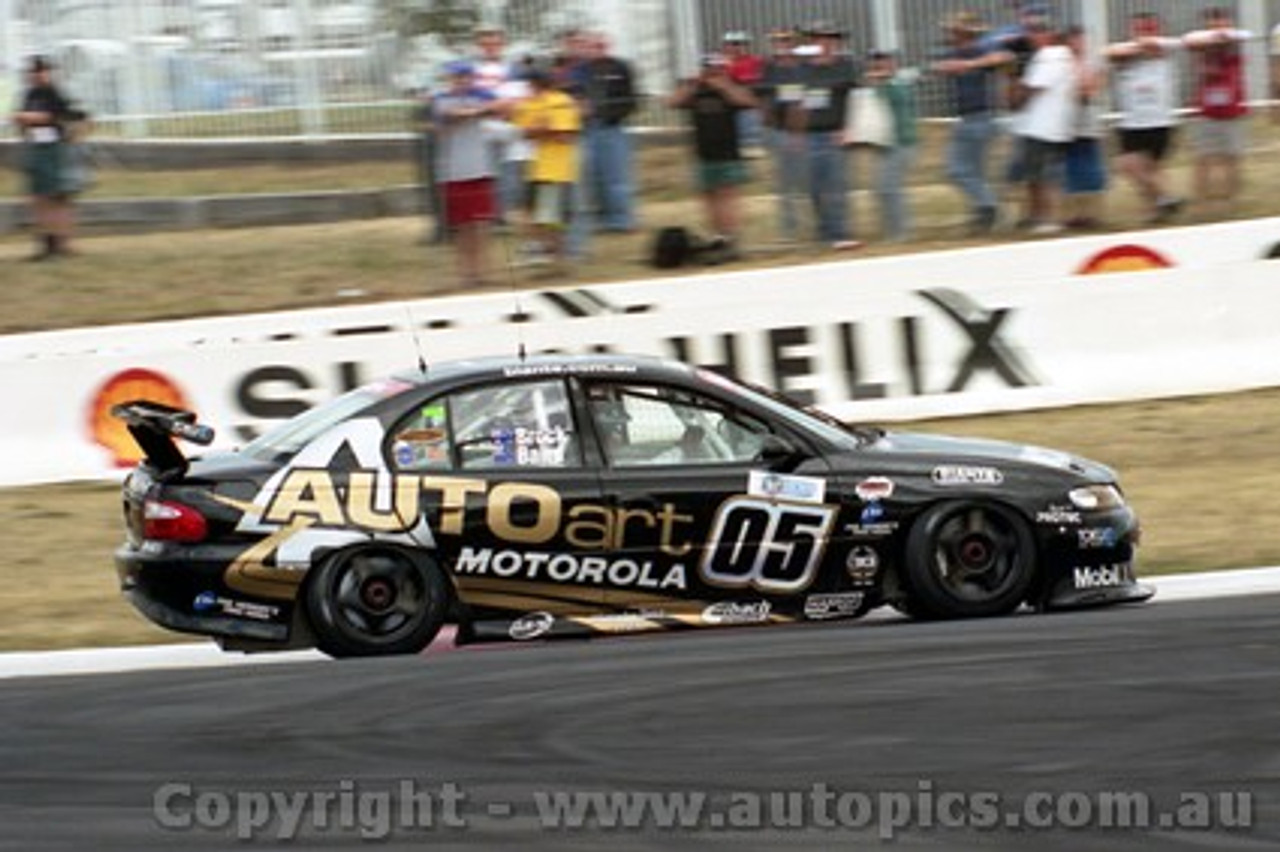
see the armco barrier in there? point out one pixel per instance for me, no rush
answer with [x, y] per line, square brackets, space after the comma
[1160, 313]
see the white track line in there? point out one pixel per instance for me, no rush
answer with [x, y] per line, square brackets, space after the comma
[1174, 587]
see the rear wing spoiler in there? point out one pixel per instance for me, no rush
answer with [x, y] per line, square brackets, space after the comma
[154, 426]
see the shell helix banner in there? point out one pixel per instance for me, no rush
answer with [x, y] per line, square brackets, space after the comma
[1015, 326]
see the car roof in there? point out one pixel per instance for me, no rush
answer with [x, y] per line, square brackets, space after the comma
[532, 366]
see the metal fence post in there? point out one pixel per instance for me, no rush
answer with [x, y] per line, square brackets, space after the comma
[886, 26]
[135, 101]
[1252, 16]
[686, 37]
[312, 108]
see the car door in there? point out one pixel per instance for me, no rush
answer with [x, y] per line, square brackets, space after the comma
[502, 475]
[694, 508]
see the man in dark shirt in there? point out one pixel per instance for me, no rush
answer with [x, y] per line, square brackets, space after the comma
[608, 89]
[972, 67]
[48, 121]
[828, 77]
[714, 101]
[781, 92]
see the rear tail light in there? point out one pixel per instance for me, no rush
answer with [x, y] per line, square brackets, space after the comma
[168, 521]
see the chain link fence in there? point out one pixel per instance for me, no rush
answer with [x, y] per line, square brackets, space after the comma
[322, 68]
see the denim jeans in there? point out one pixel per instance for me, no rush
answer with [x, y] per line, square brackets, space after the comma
[789, 170]
[895, 214]
[967, 159]
[608, 188]
[828, 165]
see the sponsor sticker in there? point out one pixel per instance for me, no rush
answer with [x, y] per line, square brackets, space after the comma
[531, 626]
[737, 612]
[874, 488]
[963, 474]
[1102, 576]
[777, 486]
[210, 602]
[1058, 515]
[862, 563]
[838, 605]
[1097, 538]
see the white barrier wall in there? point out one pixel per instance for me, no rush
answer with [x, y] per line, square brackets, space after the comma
[1026, 325]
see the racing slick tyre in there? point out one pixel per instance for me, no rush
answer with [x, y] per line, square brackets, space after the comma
[372, 601]
[968, 559]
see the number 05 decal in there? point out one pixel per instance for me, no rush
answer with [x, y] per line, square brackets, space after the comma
[773, 547]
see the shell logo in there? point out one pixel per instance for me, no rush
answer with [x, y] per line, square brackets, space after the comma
[113, 435]
[1124, 258]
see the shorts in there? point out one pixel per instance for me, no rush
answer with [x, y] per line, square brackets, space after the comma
[551, 204]
[44, 165]
[467, 202]
[1043, 160]
[719, 174]
[1223, 137]
[1155, 142]
[1085, 171]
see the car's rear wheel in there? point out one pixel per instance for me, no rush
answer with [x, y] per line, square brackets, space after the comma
[968, 559]
[371, 601]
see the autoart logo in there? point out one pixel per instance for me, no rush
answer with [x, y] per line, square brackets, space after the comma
[531, 626]
[1101, 576]
[733, 612]
[959, 474]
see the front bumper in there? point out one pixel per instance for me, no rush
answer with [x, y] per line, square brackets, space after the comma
[1092, 563]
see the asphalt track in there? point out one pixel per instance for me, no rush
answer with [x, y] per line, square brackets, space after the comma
[1160, 699]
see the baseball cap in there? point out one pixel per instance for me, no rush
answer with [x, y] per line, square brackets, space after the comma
[459, 67]
[825, 29]
[964, 22]
[736, 37]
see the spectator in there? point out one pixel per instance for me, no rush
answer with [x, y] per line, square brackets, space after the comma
[895, 89]
[49, 124]
[781, 91]
[1146, 99]
[714, 101]
[973, 67]
[432, 202]
[550, 118]
[464, 167]
[1220, 102]
[610, 98]
[510, 153]
[1085, 175]
[1050, 97]
[1275, 74]
[1018, 41]
[746, 69]
[828, 76]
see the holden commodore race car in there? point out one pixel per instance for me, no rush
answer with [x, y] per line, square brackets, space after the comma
[523, 498]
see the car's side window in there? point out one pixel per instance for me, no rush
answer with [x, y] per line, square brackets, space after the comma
[421, 441]
[528, 424]
[652, 425]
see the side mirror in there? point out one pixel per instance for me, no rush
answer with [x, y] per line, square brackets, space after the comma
[779, 453]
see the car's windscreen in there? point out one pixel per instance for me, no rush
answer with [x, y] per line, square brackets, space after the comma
[291, 436]
[826, 427]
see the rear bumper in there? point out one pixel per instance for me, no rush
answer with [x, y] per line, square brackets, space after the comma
[188, 595]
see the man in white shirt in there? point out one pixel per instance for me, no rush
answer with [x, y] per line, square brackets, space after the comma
[1146, 97]
[1050, 99]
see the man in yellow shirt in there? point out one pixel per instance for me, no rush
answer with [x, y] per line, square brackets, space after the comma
[550, 120]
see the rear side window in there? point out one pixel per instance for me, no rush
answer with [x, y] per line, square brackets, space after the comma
[520, 425]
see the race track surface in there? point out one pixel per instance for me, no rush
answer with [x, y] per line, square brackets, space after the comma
[1158, 700]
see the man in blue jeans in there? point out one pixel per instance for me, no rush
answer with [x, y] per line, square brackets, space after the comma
[828, 77]
[972, 67]
[606, 85]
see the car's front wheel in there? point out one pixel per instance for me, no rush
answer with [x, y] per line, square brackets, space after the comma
[372, 601]
[968, 559]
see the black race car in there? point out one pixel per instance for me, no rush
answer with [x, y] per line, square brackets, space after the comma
[523, 498]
